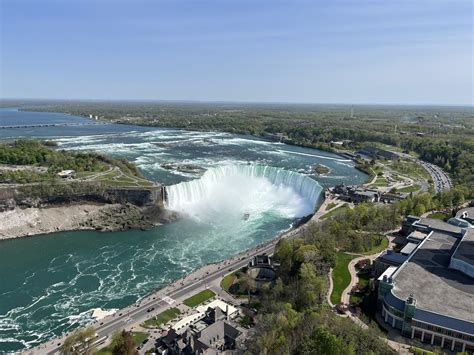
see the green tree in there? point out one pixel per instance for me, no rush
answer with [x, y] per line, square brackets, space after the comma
[123, 344]
[323, 342]
[78, 342]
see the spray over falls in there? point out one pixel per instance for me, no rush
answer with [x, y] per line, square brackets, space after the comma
[233, 191]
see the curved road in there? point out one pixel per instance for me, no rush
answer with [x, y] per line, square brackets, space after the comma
[138, 312]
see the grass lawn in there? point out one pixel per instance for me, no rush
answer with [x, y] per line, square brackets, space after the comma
[138, 338]
[380, 182]
[334, 211]
[439, 215]
[377, 248]
[199, 298]
[340, 276]
[411, 188]
[411, 169]
[162, 318]
[227, 281]
[330, 205]
[418, 351]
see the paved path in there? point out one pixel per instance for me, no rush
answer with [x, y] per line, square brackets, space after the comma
[330, 288]
[400, 348]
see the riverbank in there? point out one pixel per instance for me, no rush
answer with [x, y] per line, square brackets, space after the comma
[208, 276]
[25, 222]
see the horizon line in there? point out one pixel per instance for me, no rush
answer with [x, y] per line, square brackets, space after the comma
[240, 102]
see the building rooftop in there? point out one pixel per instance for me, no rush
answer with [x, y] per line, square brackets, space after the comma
[436, 288]
[437, 224]
[409, 248]
[465, 250]
[417, 235]
[468, 212]
[391, 257]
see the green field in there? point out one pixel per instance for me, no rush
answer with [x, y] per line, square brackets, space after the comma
[377, 248]
[337, 210]
[340, 276]
[227, 281]
[411, 188]
[380, 182]
[330, 205]
[411, 169]
[199, 298]
[138, 338]
[418, 351]
[439, 215]
[162, 318]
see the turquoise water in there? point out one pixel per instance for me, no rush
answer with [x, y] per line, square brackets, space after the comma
[49, 283]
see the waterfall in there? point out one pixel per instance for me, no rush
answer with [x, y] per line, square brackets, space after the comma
[246, 189]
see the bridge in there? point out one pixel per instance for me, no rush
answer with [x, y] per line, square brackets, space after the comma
[52, 125]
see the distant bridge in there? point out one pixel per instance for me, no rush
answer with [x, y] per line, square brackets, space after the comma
[52, 125]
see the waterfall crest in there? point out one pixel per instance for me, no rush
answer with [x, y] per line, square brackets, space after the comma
[246, 188]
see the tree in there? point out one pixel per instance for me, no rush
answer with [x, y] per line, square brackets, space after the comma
[323, 342]
[78, 342]
[123, 344]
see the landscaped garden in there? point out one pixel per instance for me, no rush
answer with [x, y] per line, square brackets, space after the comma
[227, 281]
[411, 188]
[138, 338]
[199, 298]
[439, 215]
[335, 211]
[341, 276]
[162, 318]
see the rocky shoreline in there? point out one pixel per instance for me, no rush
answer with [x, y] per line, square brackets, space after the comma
[25, 222]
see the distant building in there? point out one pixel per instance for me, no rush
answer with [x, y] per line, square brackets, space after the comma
[373, 152]
[357, 194]
[428, 291]
[67, 174]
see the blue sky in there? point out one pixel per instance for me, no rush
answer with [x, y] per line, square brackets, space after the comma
[339, 51]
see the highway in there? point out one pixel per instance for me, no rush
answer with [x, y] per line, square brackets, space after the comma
[138, 312]
[440, 179]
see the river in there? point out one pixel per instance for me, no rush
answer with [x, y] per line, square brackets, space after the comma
[49, 283]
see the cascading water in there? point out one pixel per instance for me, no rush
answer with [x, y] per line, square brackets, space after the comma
[233, 191]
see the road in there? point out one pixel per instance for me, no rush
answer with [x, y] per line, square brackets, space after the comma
[138, 312]
[440, 179]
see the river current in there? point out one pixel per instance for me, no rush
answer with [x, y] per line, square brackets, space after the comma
[49, 283]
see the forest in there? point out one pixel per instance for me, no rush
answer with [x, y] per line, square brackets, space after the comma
[45, 154]
[440, 135]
